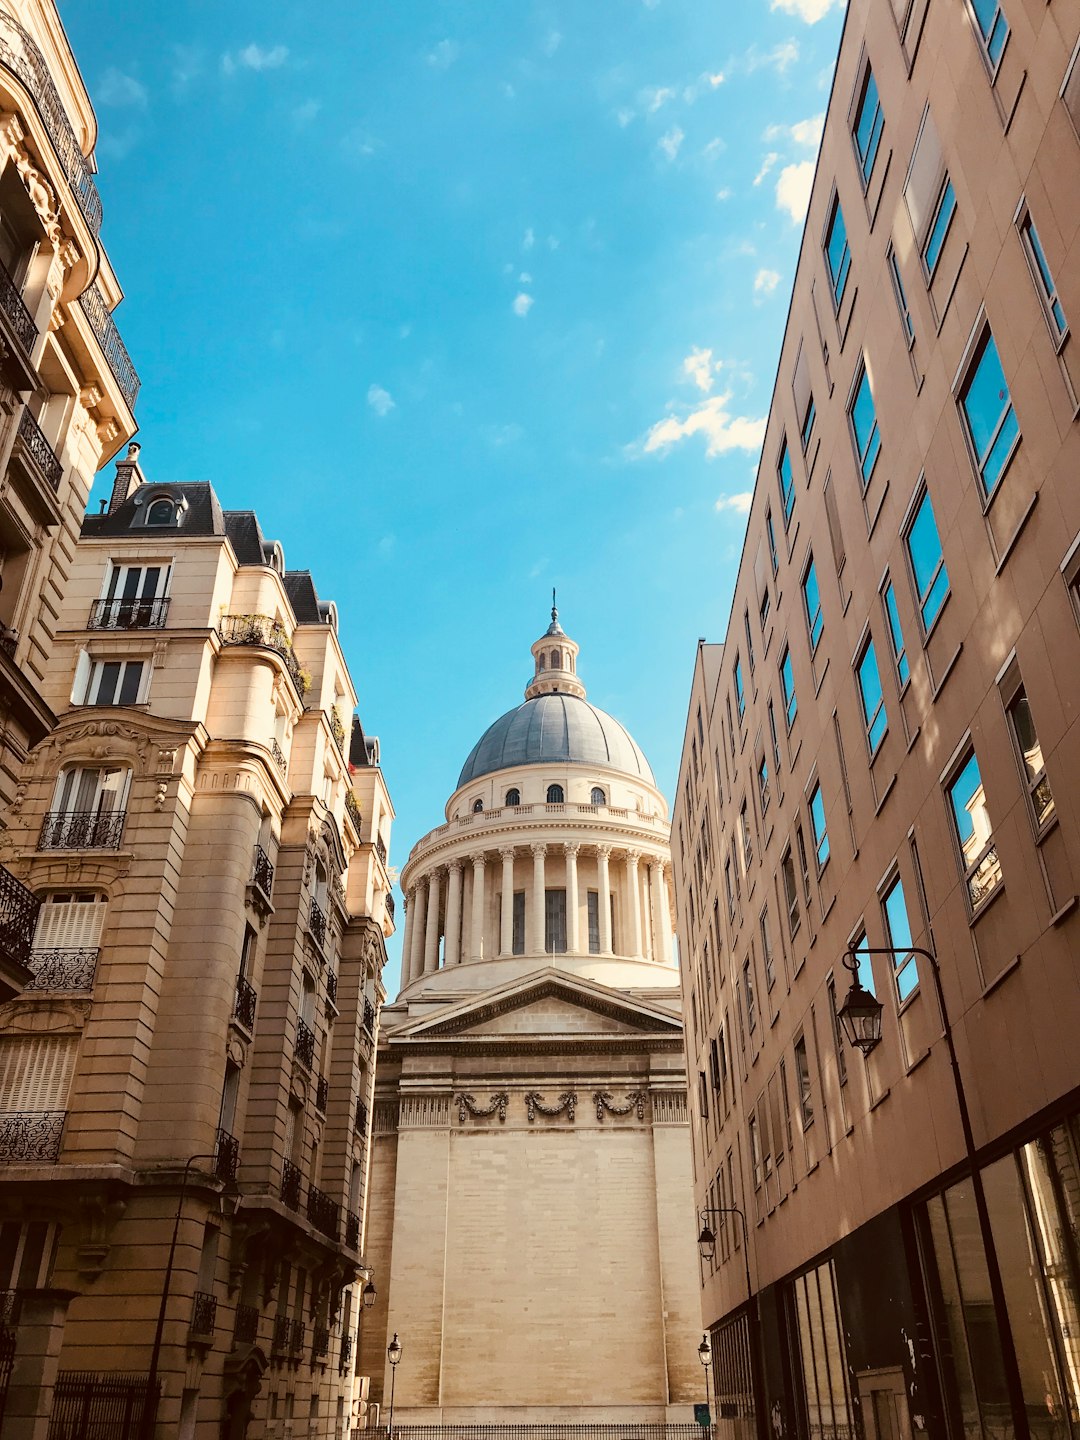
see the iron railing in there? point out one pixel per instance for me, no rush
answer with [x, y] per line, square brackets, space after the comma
[391, 904]
[352, 1230]
[31, 1137]
[263, 873]
[247, 997]
[63, 970]
[112, 347]
[246, 1327]
[324, 1213]
[279, 755]
[18, 316]
[263, 630]
[18, 918]
[296, 1336]
[345, 1353]
[128, 614]
[203, 1314]
[32, 438]
[380, 849]
[113, 1407]
[282, 1335]
[352, 807]
[331, 986]
[369, 1016]
[322, 1093]
[360, 1119]
[337, 729]
[320, 1343]
[305, 1044]
[317, 925]
[82, 829]
[226, 1156]
[291, 1181]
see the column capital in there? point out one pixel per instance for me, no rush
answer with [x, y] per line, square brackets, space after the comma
[633, 858]
[454, 867]
[538, 847]
[506, 851]
[603, 851]
[478, 862]
[572, 847]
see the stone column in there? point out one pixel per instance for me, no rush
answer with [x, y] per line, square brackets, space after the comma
[414, 957]
[603, 898]
[535, 903]
[573, 929]
[453, 914]
[477, 948]
[506, 936]
[661, 914]
[431, 943]
[407, 941]
[38, 1338]
[633, 900]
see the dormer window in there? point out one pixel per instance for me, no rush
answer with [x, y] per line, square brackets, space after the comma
[555, 795]
[477, 806]
[161, 512]
[513, 797]
[598, 797]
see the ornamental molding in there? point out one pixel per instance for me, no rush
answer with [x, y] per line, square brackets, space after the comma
[385, 1117]
[146, 744]
[513, 1045]
[423, 1112]
[635, 1101]
[614, 836]
[97, 870]
[467, 1106]
[534, 1105]
[669, 1107]
[45, 1017]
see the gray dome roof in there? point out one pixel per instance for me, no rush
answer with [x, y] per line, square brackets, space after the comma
[552, 729]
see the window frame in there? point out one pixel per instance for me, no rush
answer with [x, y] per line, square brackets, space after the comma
[950, 779]
[947, 190]
[787, 496]
[1041, 277]
[900, 294]
[983, 37]
[791, 891]
[791, 700]
[877, 128]
[862, 377]
[1039, 827]
[888, 887]
[740, 689]
[922, 597]
[96, 665]
[982, 338]
[770, 532]
[815, 796]
[869, 721]
[895, 631]
[804, 1094]
[818, 617]
[838, 282]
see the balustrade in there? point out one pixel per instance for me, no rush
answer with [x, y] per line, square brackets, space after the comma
[32, 439]
[305, 1044]
[247, 998]
[63, 970]
[82, 829]
[291, 1181]
[246, 1328]
[203, 1314]
[18, 917]
[31, 1137]
[128, 614]
[265, 631]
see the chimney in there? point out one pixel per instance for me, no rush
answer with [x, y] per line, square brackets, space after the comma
[128, 477]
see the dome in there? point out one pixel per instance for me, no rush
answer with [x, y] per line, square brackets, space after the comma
[552, 729]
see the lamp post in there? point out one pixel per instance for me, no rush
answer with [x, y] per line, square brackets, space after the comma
[367, 1295]
[704, 1354]
[860, 1019]
[707, 1251]
[393, 1354]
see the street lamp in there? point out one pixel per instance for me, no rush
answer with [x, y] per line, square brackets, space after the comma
[707, 1251]
[393, 1354]
[367, 1295]
[704, 1354]
[860, 1014]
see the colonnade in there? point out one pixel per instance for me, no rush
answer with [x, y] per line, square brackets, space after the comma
[463, 910]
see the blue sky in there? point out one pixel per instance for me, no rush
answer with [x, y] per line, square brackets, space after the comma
[467, 300]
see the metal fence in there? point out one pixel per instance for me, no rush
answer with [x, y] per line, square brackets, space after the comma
[89, 1406]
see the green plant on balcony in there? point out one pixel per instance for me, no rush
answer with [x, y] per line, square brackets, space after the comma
[352, 806]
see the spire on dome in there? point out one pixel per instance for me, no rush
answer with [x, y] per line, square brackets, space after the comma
[555, 662]
[554, 628]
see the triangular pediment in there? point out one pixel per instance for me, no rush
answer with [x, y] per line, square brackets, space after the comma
[547, 1003]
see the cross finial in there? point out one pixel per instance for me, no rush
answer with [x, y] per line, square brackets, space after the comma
[554, 611]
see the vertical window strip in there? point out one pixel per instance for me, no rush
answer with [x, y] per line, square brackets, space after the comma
[1044, 281]
[896, 634]
[869, 124]
[923, 547]
[864, 427]
[987, 411]
[873, 701]
[939, 228]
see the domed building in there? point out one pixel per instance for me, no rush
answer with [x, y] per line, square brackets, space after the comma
[530, 1213]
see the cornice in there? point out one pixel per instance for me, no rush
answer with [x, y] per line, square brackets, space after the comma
[627, 1043]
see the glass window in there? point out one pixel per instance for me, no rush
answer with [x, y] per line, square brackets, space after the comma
[1031, 759]
[837, 256]
[787, 685]
[838, 1038]
[826, 1380]
[161, 512]
[873, 702]
[939, 228]
[791, 893]
[555, 795]
[971, 821]
[772, 736]
[894, 913]
[817, 825]
[729, 889]
[866, 969]
[993, 28]
[869, 123]
[766, 949]
[477, 806]
[748, 995]
[749, 639]
[597, 797]
[988, 414]
[555, 922]
[927, 562]
[896, 635]
[763, 783]
[802, 1082]
[513, 797]
[812, 602]
[901, 296]
[755, 1150]
[746, 841]
[800, 845]
[740, 694]
[114, 682]
[1044, 281]
[806, 423]
[771, 533]
[763, 611]
[787, 491]
[864, 427]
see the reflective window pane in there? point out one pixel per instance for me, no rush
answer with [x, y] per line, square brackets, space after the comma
[873, 702]
[927, 562]
[988, 414]
[869, 123]
[837, 253]
[812, 600]
[967, 802]
[939, 229]
[865, 427]
[898, 930]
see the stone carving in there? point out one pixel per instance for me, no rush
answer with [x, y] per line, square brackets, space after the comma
[534, 1105]
[669, 1107]
[635, 1100]
[420, 1112]
[42, 195]
[467, 1105]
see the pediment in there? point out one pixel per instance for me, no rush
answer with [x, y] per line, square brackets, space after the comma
[546, 1003]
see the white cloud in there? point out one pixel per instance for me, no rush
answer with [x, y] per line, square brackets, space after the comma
[699, 367]
[670, 142]
[522, 304]
[524, 278]
[766, 165]
[254, 57]
[380, 400]
[740, 503]
[721, 431]
[766, 281]
[357, 144]
[552, 42]
[779, 58]
[656, 97]
[804, 132]
[793, 187]
[528, 240]
[724, 193]
[120, 90]
[715, 146]
[443, 55]
[809, 10]
[624, 116]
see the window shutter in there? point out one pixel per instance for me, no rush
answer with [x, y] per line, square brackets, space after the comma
[70, 925]
[924, 176]
[82, 678]
[35, 1072]
[800, 386]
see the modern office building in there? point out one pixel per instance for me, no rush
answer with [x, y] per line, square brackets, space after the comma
[882, 758]
[207, 832]
[67, 385]
[530, 1212]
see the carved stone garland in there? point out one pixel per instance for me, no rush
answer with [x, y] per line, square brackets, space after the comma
[467, 1105]
[535, 1106]
[635, 1100]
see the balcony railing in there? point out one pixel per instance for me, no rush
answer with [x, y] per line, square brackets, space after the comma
[337, 729]
[32, 438]
[279, 756]
[305, 1044]
[331, 987]
[380, 848]
[369, 1016]
[31, 1137]
[128, 614]
[345, 1353]
[18, 316]
[262, 630]
[263, 874]
[322, 1093]
[360, 1119]
[291, 1181]
[246, 1329]
[82, 829]
[320, 1343]
[247, 997]
[317, 925]
[21, 56]
[296, 1336]
[282, 1341]
[227, 1156]
[324, 1213]
[18, 918]
[391, 905]
[352, 1230]
[352, 807]
[203, 1314]
[112, 347]
[63, 970]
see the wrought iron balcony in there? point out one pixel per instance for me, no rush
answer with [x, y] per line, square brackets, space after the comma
[331, 987]
[360, 1119]
[263, 873]
[320, 1343]
[32, 439]
[20, 55]
[352, 1230]
[82, 829]
[337, 729]
[31, 1137]
[279, 756]
[128, 614]
[226, 1156]
[317, 925]
[203, 1314]
[391, 906]
[18, 316]
[282, 1335]
[305, 1044]
[324, 1213]
[291, 1181]
[247, 998]
[18, 918]
[296, 1336]
[322, 1093]
[369, 1016]
[63, 970]
[246, 1328]
[112, 347]
[352, 807]
[380, 849]
[262, 630]
[345, 1353]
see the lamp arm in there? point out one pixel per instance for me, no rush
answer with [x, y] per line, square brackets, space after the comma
[734, 1210]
